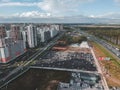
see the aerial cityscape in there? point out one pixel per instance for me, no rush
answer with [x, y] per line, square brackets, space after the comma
[59, 45]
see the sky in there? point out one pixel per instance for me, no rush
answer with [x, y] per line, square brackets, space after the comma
[60, 10]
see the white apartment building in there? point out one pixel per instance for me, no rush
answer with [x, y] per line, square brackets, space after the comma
[32, 36]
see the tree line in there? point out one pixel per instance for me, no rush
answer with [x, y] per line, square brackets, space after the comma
[110, 34]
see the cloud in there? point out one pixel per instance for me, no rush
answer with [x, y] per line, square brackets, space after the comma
[110, 15]
[17, 4]
[118, 1]
[61, 6]
[32, 14]
[57, 7]
[75, 19]
[4, 0]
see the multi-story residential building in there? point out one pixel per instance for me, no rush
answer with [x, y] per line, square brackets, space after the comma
[60, 27]
[32, 36]
[40, 32]
[15, 32]
[8, 33]
[12, 45]
[2, 31]
[54, 30]
[24, 36]
[13, 41]
[47, 32]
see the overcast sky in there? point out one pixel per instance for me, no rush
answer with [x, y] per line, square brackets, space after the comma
[59, 8]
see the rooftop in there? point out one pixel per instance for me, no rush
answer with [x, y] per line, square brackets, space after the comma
[78, 82]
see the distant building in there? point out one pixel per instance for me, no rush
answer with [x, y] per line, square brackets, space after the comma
[8, 33]
[54, 30]
[60, 27]
[24, 35]
[46, 32]
[2, 31]
[32, 36]
[41, 34]
[15, 32]
[47, 35]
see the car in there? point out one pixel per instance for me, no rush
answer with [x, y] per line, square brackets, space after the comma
[117, 49]
[118, 54]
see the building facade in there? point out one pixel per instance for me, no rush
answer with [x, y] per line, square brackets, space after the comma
[32, 36]
[2, 31]
[11, 45]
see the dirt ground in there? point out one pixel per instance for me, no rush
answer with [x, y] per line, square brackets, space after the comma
[77, 49]
[39, 79]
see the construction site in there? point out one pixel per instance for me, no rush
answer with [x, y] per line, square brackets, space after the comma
[66, 66]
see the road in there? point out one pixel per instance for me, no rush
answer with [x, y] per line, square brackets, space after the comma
[64, 69]
[27, 64]
[112, 49]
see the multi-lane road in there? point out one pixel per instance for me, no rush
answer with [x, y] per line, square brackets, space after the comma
[109, 47]
[112, 49]
[24, 66]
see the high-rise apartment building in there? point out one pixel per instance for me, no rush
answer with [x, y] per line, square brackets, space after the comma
[32, 36]
[15, 32]
[2, 31]
[11, 44]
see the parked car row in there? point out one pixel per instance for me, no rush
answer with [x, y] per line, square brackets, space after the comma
[69, 60]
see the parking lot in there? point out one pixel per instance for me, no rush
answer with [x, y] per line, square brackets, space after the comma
[69, 60]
